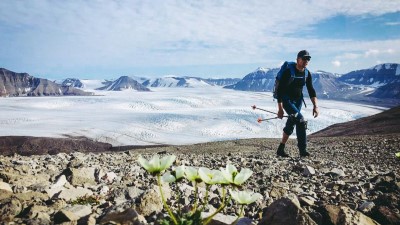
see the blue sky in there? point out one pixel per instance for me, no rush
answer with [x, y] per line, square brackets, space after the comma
[97, 39]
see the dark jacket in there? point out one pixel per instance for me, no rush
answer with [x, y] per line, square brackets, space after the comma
[293, 88]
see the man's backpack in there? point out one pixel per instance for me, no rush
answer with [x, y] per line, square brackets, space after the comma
[292, 67]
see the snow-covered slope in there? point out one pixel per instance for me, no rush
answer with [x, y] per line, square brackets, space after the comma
[124, 83]
[378, 75]
[162, 116]
[172, 81]
[262, 79]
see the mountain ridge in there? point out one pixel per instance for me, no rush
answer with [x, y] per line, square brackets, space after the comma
[23, 84]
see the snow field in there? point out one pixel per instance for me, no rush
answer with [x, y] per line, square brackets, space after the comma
[163, 116]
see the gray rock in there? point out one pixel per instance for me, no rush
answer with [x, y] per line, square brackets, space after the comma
[129, 216]
[219, 218]
[134, 192]
[81, 176]
[308, 171]
[150, 202]
[5, 186]
[9, 208]
[336, 172]
[286, 211]
[39, 214]
[74, 193]
[80, 210]
[64, 216]
[366, 206]
[342, 215]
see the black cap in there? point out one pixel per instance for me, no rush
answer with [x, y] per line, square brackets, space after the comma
[303, 54]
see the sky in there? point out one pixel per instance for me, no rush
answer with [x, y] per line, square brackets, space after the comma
[102, 39]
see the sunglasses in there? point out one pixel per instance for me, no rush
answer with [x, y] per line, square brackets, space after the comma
[306, 59]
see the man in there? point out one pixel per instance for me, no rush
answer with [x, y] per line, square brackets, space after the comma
[290, 99]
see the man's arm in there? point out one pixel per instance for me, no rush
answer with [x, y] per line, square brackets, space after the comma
[315, 109]
[280, 110]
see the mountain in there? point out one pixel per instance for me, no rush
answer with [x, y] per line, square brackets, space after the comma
[124, 83]
[222, 81]
[379, 84]
[391, 90]
[378, 75]
[23, 84]
[329, 87]
[260, 80]
[387, 122]
[73, 82]
[384, 79]
[172, 81]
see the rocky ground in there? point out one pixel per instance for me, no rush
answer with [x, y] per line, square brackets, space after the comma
[347, 180]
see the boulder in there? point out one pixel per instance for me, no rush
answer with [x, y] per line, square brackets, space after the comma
[286, 210]
[385, 215]
[343, 215]
[308, 171]
[129, 216]
[64, 216]
[9, 208]
[81, 176]
[74, 193]
[219, 219]
[5, 186]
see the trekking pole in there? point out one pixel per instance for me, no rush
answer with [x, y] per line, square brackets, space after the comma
[255, 107]
[259, 120]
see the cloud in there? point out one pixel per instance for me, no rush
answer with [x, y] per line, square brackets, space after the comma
[128, 33]
[336, 63]
[392, 23]
[376, 52]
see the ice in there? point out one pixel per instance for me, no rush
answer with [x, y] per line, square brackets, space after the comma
[162, 116]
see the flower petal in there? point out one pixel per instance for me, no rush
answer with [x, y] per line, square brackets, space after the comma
[166, 162]
[168, 178]
[242, 176]
[154, 164]
[191, 173]
[144, 163]
[231, 169]
[254, 197]
[245, 197]
[205, 174]
[179, 172]
[234, 195]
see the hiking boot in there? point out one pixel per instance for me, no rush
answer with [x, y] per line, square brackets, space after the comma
[281, 151]
[304, 154]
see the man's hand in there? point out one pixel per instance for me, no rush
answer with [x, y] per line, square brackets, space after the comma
[280, 113]
[315, 111]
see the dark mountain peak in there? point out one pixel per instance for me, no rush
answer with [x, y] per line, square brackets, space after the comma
[73, 82]
[262, 73]
[124, 83]
[23, 84]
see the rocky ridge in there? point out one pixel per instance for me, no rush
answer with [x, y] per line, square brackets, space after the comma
[23, 84]
[348, 180]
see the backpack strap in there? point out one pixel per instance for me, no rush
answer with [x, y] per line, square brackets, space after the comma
[292, 70]
[306, 74]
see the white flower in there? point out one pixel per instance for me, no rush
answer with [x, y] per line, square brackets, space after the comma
[175, 175]
[168, 177]
[398, 155]
[231, 174]
[156, 165]
[211, 176]
[245, 197]
[192, 173]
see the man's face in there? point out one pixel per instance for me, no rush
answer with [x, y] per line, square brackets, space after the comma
[303, 62]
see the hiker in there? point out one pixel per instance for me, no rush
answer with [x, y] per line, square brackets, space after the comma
[290, 99]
